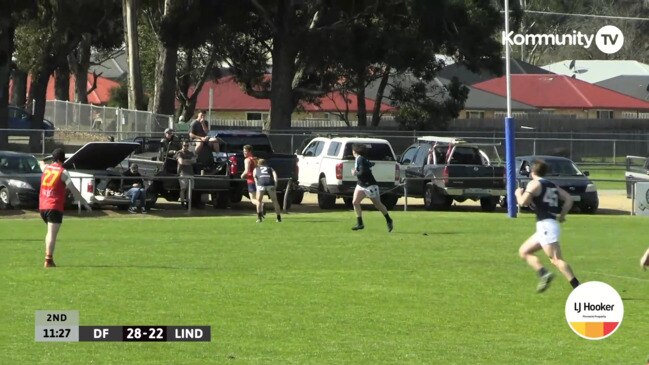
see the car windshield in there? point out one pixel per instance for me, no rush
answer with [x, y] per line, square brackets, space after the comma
[562, 167]
[19, 165]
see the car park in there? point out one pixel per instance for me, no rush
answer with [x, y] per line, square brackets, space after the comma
[565, 174]
[20, 176]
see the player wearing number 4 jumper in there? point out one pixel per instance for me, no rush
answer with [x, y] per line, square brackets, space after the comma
[366, 187]
[543, 197]
[266, 183]
[52, 196]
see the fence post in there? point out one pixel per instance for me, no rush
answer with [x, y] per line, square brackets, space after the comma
[43, 142]
[614, 151]
[405, 194]
[189, 194]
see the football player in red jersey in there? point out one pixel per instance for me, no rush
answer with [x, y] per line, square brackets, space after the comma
[54, 181]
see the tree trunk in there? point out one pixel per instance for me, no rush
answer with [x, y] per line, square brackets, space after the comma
[6, 50]
[282, 101]
[18, 94]
[38, 93]
[360, 97]
[135, 90]
[376, 113]
[165, 80]
[79, 64]
[62, 82]
[184, 82]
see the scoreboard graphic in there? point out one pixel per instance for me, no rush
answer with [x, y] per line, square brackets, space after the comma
[63, 326]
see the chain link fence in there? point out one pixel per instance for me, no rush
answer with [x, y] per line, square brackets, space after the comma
[77, 124]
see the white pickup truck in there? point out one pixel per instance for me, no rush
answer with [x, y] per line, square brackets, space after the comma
[90, 166]
[325, 168]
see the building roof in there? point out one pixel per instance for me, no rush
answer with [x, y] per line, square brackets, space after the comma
[561, 92]
[115, 68]
[465, 76]
[228, 95]
[99, 96]
[594, 71]
[635, 86]
[476, 100]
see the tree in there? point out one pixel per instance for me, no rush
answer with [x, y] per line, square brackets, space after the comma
[426, 107]
[190, 26]
[135, 91]
[46, 40]
[12, 14]
[295, 35]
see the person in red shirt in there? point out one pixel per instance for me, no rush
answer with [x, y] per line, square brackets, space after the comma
[54, 181]
[250, 163]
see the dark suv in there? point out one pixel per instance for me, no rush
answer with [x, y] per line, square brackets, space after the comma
[563, 172]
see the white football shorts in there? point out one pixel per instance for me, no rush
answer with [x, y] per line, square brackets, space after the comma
[547, 231]
[371, 191]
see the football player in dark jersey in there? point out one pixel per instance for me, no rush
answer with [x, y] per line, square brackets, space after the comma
[545, 198]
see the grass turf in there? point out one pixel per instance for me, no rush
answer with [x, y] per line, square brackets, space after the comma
[442, 288]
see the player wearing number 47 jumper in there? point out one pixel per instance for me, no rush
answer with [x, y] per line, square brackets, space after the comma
[544, 198]
[54, 181]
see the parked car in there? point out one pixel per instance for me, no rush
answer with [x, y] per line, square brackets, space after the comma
[19, 191]
[444, 169]
[96, 170]
[232, 142]
[325, 168]
[21, 119]
[637, 170]
[565, 174]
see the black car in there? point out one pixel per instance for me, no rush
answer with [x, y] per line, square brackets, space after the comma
[20, 178]
[563, 172]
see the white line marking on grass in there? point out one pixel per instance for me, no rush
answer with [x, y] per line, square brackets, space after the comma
[616, 276]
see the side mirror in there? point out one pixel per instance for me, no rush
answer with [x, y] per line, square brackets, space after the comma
[586, 173]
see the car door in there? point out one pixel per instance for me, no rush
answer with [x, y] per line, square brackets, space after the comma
[409, 169]
[309, 163]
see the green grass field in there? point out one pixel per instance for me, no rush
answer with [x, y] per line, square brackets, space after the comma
[606, 177]
[442, 288]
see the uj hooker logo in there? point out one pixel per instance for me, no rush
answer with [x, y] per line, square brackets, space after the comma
[609, 39]
[594, 310]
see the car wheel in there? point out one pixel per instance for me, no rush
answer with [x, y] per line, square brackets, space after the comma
[280, 200]
[325, 200]
[235, 196]
[4, 199]
[389, 200]
[588, 208]
[489, 204]
[298, 196]
[151, 196]
[434, 200]
[349, 202]
[220, 199]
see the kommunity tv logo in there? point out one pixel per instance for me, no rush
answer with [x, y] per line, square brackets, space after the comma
[608, 39]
